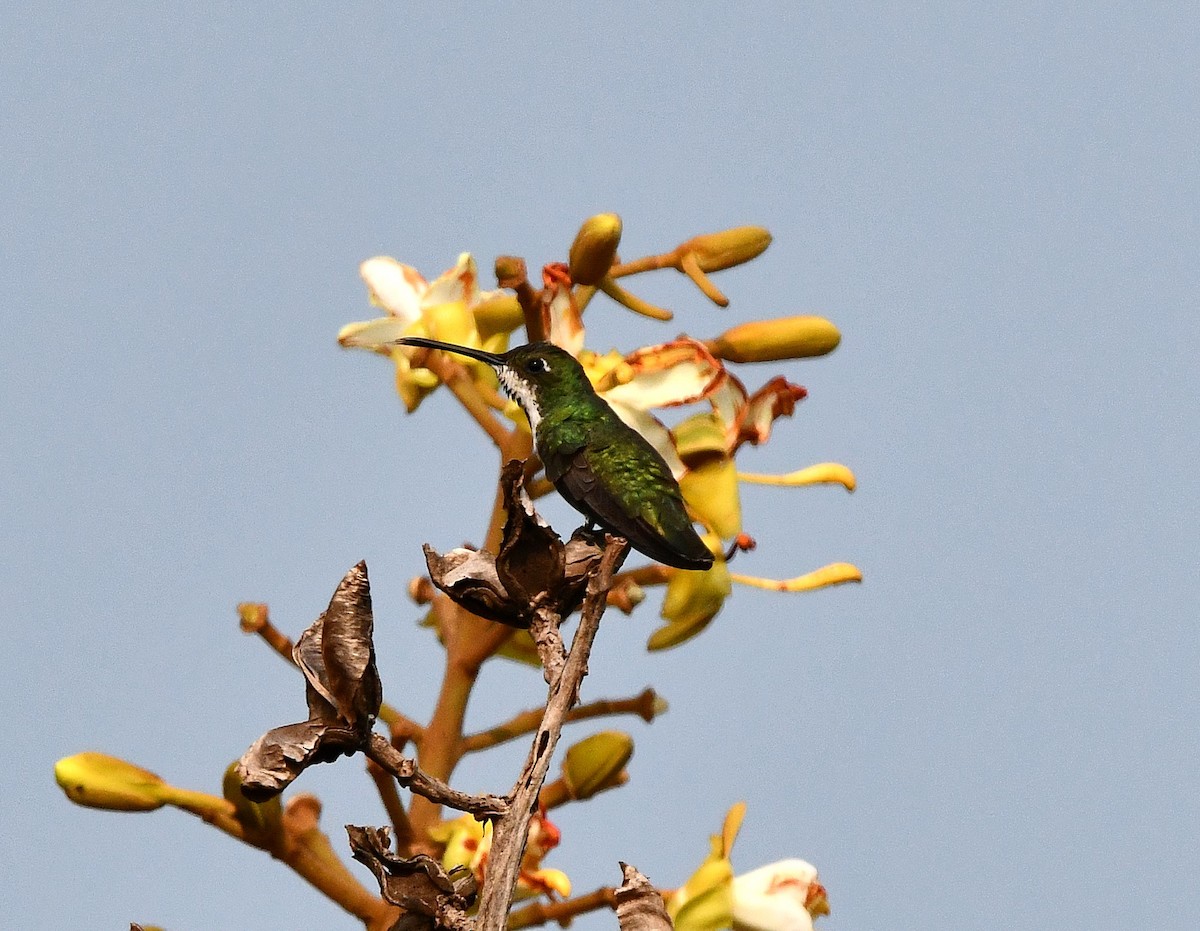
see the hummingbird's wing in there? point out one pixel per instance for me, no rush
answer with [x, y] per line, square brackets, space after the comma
[658, 529]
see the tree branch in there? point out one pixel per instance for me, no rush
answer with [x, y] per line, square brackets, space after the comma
[385, 783]
[458, 380]
[409, 776]
[307, 851]
[646, 705]
[539, 913]
[469, 641]
[511, 831]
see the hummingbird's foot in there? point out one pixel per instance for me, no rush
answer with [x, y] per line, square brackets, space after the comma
[590, 533]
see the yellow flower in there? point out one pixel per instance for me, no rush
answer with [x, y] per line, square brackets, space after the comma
[705, 445]
[450, 308]
[468, 843]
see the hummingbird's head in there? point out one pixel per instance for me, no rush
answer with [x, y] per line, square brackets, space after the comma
[541, 375]
[537, 375]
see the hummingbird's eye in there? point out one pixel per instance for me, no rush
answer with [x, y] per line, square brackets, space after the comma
[536, 364]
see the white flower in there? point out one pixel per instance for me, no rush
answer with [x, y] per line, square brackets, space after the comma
[783, 896]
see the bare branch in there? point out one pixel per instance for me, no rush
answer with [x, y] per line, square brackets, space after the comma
[408, 775]
[646, 705]
[457, 378]
[548, 640]
[511, 831]
[539, 913]
[385, 784]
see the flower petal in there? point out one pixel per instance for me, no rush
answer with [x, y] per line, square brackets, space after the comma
[728, 401]
[465, 840]
[497, 313]
[699, 438]
[546, 882]
[452, 322]
[782, 896]
[412, 384]
[598, 366]
[691, 602]
[711, 490]
[705, 901]
[834, 574]
[566, 326]
[777, 398]
[824, 473]
[669, 374]
[732, 824]
[378, 334]
[395, 287]
[460, 283]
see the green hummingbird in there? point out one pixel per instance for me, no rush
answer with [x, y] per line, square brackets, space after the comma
[604, 468]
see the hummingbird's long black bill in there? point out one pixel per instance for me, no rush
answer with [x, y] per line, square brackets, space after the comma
[488, 357]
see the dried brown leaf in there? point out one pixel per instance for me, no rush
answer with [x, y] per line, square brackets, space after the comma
[337, 657]
[281, 754]
[418, 884]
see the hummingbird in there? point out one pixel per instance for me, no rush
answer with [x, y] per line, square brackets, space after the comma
[604, 468]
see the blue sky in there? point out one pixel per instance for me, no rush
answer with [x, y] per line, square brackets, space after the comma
[997, 206]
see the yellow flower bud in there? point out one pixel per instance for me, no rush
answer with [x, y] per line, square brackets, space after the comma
[262, 822]
[595, 248]
[773, 340]
[499, 314]
[97, 780]
[715, 251]
[597, 763]
[252, 616]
